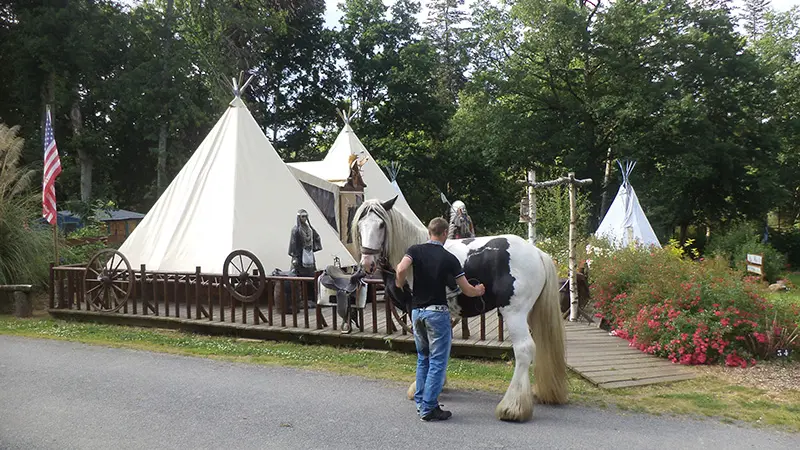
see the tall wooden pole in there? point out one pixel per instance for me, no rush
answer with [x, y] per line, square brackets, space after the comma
[55, 241]
[531, 207]
[573, 281]
[572, 184]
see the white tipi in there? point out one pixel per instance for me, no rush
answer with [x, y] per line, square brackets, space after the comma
[335, 168]
[235, 192]
[625, 221]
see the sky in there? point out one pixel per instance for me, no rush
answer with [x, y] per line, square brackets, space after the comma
[332, 13]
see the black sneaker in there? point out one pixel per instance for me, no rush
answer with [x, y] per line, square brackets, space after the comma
[437, 414]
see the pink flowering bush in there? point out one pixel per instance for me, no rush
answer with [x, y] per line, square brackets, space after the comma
[690, 312]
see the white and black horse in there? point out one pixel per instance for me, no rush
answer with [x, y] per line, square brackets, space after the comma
[521, 282]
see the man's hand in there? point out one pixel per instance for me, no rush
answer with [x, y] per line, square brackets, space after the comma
[468, 289]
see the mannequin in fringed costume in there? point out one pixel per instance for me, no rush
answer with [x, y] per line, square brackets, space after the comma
[461, 226]
[303, 244]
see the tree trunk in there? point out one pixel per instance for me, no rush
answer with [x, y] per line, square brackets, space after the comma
[161, 165]
[84, 157]
[606, 177]
[163, 132]
[683, 234]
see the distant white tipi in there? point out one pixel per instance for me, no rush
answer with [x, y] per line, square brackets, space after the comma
[625, 221]
[235, 192]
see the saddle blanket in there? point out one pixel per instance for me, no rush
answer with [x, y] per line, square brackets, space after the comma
[327, 296]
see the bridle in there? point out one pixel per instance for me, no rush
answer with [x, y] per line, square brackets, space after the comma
[381, 260]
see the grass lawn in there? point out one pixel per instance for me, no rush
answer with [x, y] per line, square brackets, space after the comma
[786, 299]
[706, 396]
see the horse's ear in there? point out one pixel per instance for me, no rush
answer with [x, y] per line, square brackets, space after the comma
[387, 205]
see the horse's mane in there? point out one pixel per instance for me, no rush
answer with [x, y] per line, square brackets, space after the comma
[401, 233]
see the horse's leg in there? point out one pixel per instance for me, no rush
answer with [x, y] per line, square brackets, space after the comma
[517, 403]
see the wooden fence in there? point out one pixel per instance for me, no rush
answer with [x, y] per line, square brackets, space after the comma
[199, 296]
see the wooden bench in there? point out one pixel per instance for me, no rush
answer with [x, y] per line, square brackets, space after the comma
[23, 306]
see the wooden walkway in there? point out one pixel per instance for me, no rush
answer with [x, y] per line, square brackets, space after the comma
[608, 362]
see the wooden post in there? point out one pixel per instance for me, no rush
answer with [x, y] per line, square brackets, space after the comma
[531, 207]
[572, 183]
[55, 240]
[573, 285]
[52, 288]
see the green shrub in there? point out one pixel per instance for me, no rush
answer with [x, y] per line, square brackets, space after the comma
[25, 249]
[788, 243]
[741, 239]
[691, 313]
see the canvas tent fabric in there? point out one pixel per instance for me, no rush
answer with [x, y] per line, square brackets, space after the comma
[335, 168]
[625, 221]
[235, 192]
[324, 193]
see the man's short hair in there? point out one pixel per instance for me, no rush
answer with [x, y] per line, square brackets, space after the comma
[438, 227]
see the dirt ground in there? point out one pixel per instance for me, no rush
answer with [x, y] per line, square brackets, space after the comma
[774, 376]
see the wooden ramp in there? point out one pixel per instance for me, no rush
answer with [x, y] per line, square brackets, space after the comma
[608, 362]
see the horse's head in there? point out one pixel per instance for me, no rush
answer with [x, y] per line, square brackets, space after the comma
[371, 233]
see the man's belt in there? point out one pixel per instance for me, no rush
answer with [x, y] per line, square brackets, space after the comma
[442, 308]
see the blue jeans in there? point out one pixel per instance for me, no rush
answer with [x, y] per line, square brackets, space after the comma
[433, 336]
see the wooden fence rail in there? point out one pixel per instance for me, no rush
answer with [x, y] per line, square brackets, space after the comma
[285, 302]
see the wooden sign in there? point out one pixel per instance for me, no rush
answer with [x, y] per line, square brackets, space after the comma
[755, 259]
[755, 264]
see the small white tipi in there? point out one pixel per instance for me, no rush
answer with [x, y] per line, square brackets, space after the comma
[235, 192]
[335, 168]
[625, 221]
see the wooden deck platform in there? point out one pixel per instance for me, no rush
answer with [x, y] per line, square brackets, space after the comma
[608, 362]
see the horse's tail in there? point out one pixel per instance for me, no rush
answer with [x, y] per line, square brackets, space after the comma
[550, 366]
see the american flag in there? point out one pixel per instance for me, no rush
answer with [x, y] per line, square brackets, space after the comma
[52, 167]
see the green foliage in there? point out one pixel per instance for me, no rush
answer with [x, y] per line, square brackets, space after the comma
[787, 242]
[24, 248]
[465, 100]
[741, 239]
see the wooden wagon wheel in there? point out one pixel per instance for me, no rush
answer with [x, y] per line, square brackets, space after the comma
[108, 281]
[239, 278]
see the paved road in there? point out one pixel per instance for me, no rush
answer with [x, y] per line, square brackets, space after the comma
[62, 395]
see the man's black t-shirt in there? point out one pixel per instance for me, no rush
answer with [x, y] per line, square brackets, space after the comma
[433, 266]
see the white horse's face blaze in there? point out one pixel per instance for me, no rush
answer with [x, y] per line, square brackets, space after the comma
[372, 232]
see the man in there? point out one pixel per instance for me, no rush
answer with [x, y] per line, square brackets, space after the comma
[432, 267]
[303, 243]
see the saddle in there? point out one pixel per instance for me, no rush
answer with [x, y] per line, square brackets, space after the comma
[346, 288]
[336, 278]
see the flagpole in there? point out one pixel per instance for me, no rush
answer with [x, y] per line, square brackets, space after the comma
[55, 240]
[55, 222]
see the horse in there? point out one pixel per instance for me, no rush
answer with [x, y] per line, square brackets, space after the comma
[521, 283]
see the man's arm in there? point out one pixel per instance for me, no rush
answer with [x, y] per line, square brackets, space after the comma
[468, 289]
[402, 271]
